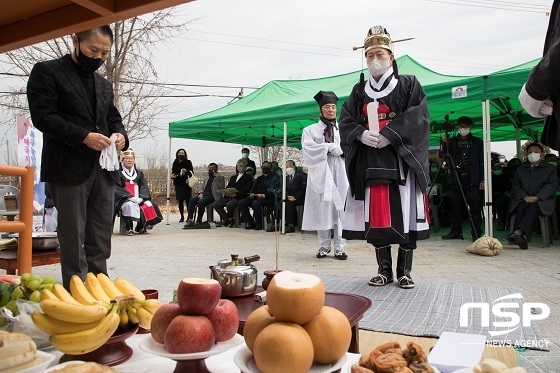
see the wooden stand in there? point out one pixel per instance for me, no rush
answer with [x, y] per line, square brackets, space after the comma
[9, 259]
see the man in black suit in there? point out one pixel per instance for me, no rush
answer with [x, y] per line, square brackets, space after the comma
[533, 192]
[242, 182]
[73, 106]
[296, 183]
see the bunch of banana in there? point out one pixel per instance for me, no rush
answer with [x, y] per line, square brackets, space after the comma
[76, 328]
[83, 319]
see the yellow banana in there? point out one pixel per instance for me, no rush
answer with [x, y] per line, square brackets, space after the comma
[132, 315]
[80, 292]
[77, 313]
[47, 294]
[87, 340]
[53, 326]
[63, 294]
[127, 288]
[144, 318]
[95, 289]
[108, 286]
[151, 305]
[123, 317]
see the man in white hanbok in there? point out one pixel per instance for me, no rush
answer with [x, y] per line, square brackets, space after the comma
[327, 184]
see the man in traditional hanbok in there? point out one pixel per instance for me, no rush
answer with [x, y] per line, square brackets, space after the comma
[132, 198]
[384, 127]
[327, 184]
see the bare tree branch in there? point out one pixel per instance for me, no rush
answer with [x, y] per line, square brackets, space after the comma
[129, 68]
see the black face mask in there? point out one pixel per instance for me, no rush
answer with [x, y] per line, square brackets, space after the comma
[211, 172]
[181, 157]
[265, 170]
[87, 63]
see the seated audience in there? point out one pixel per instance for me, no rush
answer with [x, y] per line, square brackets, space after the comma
[212, 183]
[132, 198]
[296, 183]
[533, 193]
[262, 194]
[240, 185]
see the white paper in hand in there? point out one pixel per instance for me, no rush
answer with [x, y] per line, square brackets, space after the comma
[373, 119]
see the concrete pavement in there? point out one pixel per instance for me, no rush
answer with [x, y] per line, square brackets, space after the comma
[163, 257]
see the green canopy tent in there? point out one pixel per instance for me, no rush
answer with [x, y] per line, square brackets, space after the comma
[258, 118]
[277, 113]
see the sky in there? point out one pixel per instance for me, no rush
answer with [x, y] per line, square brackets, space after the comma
[247, 43]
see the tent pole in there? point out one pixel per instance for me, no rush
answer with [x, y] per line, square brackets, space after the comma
[168, 181]
[489, 227]
[282, 224]
[518, 142]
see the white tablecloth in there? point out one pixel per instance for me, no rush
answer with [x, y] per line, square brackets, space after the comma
[144, 362]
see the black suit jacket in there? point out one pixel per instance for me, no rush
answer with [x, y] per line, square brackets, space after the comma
[61, 110]
[243, 186]
[297, 187]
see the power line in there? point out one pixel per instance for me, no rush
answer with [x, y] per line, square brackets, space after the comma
[188, 85]
[490, 7]
[270, 48]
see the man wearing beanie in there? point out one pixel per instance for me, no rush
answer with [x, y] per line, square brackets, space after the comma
[327, 184]
[384, 128]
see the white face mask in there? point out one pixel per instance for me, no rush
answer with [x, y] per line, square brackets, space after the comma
[534, 157]
[290, 171]
[464, 131]
[245, 155]
[379, 67]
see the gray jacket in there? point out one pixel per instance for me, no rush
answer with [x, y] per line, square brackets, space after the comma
[540, 181]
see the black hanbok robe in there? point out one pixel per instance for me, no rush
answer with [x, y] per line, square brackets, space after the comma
[387, 202]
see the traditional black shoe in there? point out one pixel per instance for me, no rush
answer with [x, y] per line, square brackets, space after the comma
[258, 227]
[380, 280]
[406, 282]
[231, 223]
[341, 255]
[453, 236]
[271, 228]
[181, 220]
[323, 251]
[290, 229]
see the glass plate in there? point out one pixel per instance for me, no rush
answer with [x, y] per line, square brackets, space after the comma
[148, 344]
[246, 363]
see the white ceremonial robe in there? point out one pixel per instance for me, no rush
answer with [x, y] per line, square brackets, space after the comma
[327, 184]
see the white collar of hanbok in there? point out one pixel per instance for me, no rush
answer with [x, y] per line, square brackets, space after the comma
[373, 88]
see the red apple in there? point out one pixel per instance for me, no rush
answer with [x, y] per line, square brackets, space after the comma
[198, 296]
[189, 334]
[225, 320]
[162, 318]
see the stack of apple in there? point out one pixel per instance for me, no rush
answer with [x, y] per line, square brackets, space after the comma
[295, 328]
[198, 319]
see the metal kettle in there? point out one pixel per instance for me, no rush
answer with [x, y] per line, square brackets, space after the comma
[238, 277]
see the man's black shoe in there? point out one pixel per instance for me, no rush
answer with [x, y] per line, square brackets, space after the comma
[258, 227]
[271, 228]
[453, 236]
[251, 225]
[290, 229]
[520, 240]
[509, 238]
